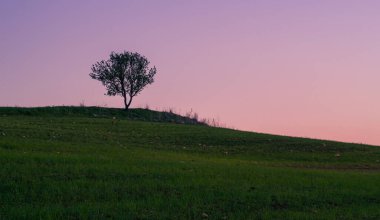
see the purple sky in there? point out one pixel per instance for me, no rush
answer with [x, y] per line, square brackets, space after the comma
[295, 67]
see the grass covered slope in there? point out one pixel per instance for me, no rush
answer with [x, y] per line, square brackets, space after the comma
[99, 112]
[80, 166]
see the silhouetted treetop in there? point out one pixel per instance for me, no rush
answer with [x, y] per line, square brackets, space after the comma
[125, 74]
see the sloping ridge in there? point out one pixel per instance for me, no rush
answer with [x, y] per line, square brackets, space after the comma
[100, 112]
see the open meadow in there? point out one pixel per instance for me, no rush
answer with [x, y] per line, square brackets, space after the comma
[93, 163]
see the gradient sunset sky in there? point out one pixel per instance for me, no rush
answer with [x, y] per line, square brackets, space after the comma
[292, 67]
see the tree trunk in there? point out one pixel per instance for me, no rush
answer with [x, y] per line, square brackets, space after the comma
[125, 102]
[129, 103]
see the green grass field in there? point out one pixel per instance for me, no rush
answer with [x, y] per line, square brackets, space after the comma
[75, 163]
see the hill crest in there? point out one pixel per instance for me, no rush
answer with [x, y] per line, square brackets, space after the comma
[101, 112]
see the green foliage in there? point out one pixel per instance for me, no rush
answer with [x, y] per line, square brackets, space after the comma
[78, 166]
[124, 74]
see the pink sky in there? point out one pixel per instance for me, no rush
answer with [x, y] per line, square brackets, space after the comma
[296, 67]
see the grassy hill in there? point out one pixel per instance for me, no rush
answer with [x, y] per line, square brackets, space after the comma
[99, 163]
[98, 112]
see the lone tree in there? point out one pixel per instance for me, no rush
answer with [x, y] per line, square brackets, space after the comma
[125, 74]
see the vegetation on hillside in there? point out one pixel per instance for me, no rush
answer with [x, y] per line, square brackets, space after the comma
[124, 74]
[74, 165]
[99, 112]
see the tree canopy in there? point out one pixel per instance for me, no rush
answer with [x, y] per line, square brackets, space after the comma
[125, 74]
